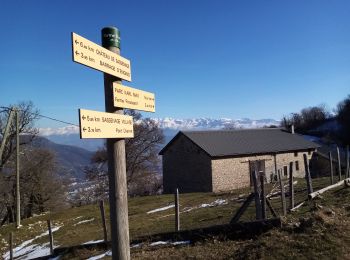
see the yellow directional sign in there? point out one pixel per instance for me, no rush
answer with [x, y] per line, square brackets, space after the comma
[94, 124]
[93, 55]
[132, 98]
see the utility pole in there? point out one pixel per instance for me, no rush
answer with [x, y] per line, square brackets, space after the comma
[18, 195]
[6, 133]
[118, 199]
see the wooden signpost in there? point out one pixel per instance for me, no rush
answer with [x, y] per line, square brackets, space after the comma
[114, 125]
[94, 56]
[95, 124]
[132, 98]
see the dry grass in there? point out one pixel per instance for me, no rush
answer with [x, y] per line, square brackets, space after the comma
[320, 229]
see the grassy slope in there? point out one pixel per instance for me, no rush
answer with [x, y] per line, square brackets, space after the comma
[322, 231]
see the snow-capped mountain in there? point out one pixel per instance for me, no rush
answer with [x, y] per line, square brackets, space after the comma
[67, 130]
[209, 123]
[70, 134]
[181, 124]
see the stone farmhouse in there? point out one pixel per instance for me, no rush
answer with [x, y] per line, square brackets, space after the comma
[215, 161]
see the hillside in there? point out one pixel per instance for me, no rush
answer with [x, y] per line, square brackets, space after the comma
[320, 228]
[70, 159]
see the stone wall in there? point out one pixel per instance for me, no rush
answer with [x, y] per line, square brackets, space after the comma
[187, 167]
[234, 173]
[283, 159]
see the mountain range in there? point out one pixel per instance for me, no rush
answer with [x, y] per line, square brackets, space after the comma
[71, 160]
[73, 153]
[69, 135]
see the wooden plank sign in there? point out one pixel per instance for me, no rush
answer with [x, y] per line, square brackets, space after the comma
[132, 98]
[94, 124]
[94, 56]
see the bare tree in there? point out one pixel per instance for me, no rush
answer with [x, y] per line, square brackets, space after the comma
[41, 187]
[308, 118]
[343, 117]
[27, 116]
[142, 160]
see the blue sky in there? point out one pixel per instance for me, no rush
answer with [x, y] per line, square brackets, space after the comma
[234, 59]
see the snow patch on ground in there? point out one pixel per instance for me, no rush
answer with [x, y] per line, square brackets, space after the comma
[84, 221]
[136, 245]
[161, 209]
[159, 243]
[187, 242]
[93, 242]
[27, 251]
[34, 251]
[215, 203]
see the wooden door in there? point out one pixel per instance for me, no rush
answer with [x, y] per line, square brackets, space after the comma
[258, 166]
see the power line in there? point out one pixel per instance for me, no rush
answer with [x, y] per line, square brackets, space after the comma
[47, 117]
[57, 120]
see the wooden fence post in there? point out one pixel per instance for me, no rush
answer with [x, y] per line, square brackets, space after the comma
[331, 167]
[273, 212]
[50, 236]
[177, 210]
[263, 197]
[283, 196]
[257, 196]
[339, 164]
[307, 175]
[347, 174]
[11, 245]
[103, 218]
[291, 186]
[243, 208]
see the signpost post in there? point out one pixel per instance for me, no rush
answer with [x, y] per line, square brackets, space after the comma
[113, 125]
[118, 198]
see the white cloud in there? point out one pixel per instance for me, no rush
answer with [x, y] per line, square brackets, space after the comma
[67, 130]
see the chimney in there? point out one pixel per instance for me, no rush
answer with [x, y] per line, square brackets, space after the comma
[292, 129]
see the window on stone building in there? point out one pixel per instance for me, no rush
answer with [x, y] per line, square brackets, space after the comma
[285, 170]
[297, 165]
[295, 154]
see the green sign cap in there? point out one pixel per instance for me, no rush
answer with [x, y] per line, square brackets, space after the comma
[110, 37]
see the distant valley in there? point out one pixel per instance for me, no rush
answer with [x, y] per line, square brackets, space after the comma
[71, 159]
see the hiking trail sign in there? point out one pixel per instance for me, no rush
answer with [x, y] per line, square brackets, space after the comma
[132, 98]
[94, 124]
[112, 124]
[97, 57]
